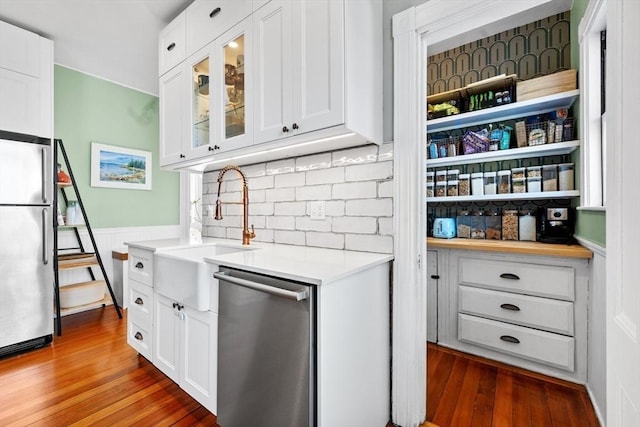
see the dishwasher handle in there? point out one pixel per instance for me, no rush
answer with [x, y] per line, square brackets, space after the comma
[285, 293]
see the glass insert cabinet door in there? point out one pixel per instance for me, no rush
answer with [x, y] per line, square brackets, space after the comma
[200, 108]
[234, 93]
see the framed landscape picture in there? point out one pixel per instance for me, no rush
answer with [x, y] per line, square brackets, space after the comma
[119, 167]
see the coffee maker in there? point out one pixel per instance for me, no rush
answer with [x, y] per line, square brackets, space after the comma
[555, 225]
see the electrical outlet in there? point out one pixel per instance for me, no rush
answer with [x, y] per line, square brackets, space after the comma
[317, 210]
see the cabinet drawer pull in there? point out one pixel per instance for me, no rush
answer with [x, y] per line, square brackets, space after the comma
[214, 12]
[435, 276]
[138, 336]
[139, 265]
[139, 301]
[510, 276]
[509, 338]
[171, 46]
[510, 307]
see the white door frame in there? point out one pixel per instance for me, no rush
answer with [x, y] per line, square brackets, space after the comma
[623, 205]
[435, 25]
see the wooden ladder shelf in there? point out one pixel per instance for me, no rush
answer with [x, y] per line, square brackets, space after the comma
[77, 257]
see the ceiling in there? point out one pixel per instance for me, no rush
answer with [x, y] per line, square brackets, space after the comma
[115, 40]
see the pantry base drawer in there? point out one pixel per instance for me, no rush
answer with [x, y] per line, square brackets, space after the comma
[538, 346]
[535, 312]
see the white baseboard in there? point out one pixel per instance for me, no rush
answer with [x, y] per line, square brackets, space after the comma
[596, 408]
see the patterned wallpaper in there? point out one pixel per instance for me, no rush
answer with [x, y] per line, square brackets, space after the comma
[532, 50]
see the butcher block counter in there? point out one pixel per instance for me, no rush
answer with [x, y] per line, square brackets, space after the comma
[512, 247]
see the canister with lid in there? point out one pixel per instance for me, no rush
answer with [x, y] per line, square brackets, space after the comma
[549, 178]
[430, 187]
[565, 177]
[477, 184]
[452, 187]
[534, 184]
[452, 174]
[517, 173]
[463, 224]
[510, 225]
[464, 184]
[489, 183]
[527, 226]
[534, 171]
[504, 182]
[519, 185]
[441, 175]
[478, 226]
[430, 176]
[441, 189]
[493, 222]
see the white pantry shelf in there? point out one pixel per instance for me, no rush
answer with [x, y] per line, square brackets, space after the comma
[506, 197]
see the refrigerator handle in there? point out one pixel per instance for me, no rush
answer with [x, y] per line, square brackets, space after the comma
[45, 243]
[45, 175]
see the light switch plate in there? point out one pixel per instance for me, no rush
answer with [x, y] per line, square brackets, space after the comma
[317, 210]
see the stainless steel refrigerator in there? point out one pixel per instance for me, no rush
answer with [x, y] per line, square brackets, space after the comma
[26, 242]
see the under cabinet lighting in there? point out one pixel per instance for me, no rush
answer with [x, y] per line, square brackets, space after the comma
[233, 44]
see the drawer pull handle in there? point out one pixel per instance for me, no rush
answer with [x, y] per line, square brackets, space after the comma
[139, 301]
[510, 276]
[510, 307]
[171, 46]
[138, 336]
[139, 265]
[214, 12]
[509, 338]
[435, 276]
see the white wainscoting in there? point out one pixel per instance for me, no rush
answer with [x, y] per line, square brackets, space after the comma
[107, 240]
[596, 360]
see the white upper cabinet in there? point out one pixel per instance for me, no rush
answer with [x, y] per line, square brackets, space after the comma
[173, 115]
[26, 82]
[291, 78]
[208, 19]
[172, 44]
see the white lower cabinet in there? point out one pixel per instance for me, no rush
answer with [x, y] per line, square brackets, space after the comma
[525, 310]
[140, 318]
[185, 348]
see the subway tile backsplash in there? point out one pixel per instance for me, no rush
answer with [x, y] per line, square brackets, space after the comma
[356, 185]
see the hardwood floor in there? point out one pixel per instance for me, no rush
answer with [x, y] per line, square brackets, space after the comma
[90, 376]
[465, 390]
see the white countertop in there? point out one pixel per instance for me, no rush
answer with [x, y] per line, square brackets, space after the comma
[315, 266]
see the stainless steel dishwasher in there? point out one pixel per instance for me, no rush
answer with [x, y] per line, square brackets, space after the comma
[266, 351]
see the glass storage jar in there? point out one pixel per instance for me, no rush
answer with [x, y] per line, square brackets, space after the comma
[430, 176]
[549, 178]
[527, 226]
[441, 175]
[452, 174]
[478, 225]
[463, 224]
[510, 225]
[477, 184]
[565, 177]
[441, 189]
[489, 183]
[464, 184]
[504, 182]
[534, 183]
[493, 222]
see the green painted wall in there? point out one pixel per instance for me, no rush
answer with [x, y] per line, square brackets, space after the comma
[590, 225]
[90, 109]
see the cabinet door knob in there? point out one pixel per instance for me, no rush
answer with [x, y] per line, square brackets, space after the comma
[435, 277]
[211, 148]
[214, 12]
[285, 129]
[182, 156]
[510, 276]
[138, 336]
[171, 46]
[509, 338]
[216, 147]
[295, 126]
[511, 307]
[139, 265]
[139, 301]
